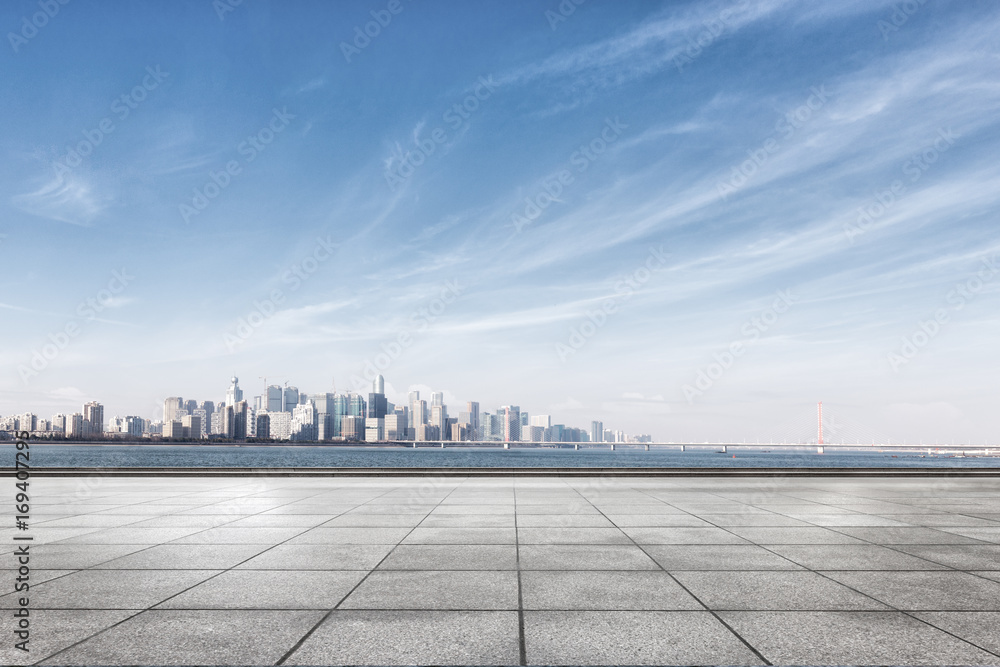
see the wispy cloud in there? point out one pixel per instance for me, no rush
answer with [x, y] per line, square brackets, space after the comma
[69, 199]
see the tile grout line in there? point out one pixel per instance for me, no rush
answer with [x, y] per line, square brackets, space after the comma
[295, 647]
[892, 608]
[522, 650]
[142, 611]
[895, 609]
[674, 579]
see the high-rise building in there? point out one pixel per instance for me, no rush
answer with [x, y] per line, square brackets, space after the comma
[352, 427]
[203, 422]
[74, 425]
[395, 425]
[171, 406]
[263, 426]
[59, 423]
[532, 433]
[425, 432]
[596, 431]
[191, 426]
[472, 407]
[418, 413]
[377, 404]
[234, 394]
[414, 398]
[356, 405]
[209, 408]
[190, 406]
[511, 415]
[274, 402]
[134, 426]
[544, 421]
[439, 420]
[437, 399]
[325, 403]
[173, 429]
[93, 412]
[291, 398]
[280, 425]
[374, 429]
[26, 422]
[304, 422]
[234, 421]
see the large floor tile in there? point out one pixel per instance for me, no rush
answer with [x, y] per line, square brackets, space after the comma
[982, 628]
[56, 629]
[350, 637]
[110, 589]
[421, 535]
[793, 535]
[717, 557]
[319, 557]
[853, 638]
[622, 590]
[631, 638]
[456, 590]
[270, 589]
[194, 638]
[352, 535]
[584, 557]
[851, 557]
[452, 557]
[555, 535]
[185, 557]
[925, 591]
[772, 591]
[681, 535]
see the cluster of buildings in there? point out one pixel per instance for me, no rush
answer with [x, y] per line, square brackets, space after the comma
[284, 413]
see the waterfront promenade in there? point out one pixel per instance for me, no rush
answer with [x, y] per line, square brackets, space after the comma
[515, 569]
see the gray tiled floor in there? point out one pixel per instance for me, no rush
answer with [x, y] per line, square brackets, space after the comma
[509, 570]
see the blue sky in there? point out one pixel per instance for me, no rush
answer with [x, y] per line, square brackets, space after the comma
[663, 215]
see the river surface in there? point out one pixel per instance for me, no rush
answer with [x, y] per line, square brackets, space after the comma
[276, 456]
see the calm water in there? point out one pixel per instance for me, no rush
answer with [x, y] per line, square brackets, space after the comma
[127, 456]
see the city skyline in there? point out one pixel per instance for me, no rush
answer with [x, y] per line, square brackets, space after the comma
[208, 418]
[685, 218]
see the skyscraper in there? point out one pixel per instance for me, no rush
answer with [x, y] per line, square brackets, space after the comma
[511, 415]
[93, 413]
[413, 399]
[234, 420]
[472, 407]
[356, 405]
[439, 420]
[596, 431]
[291, 398]
[437, 399]
[171, 406]
[74, 425]
[234, 394]
[272, 401]
[377, 407]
